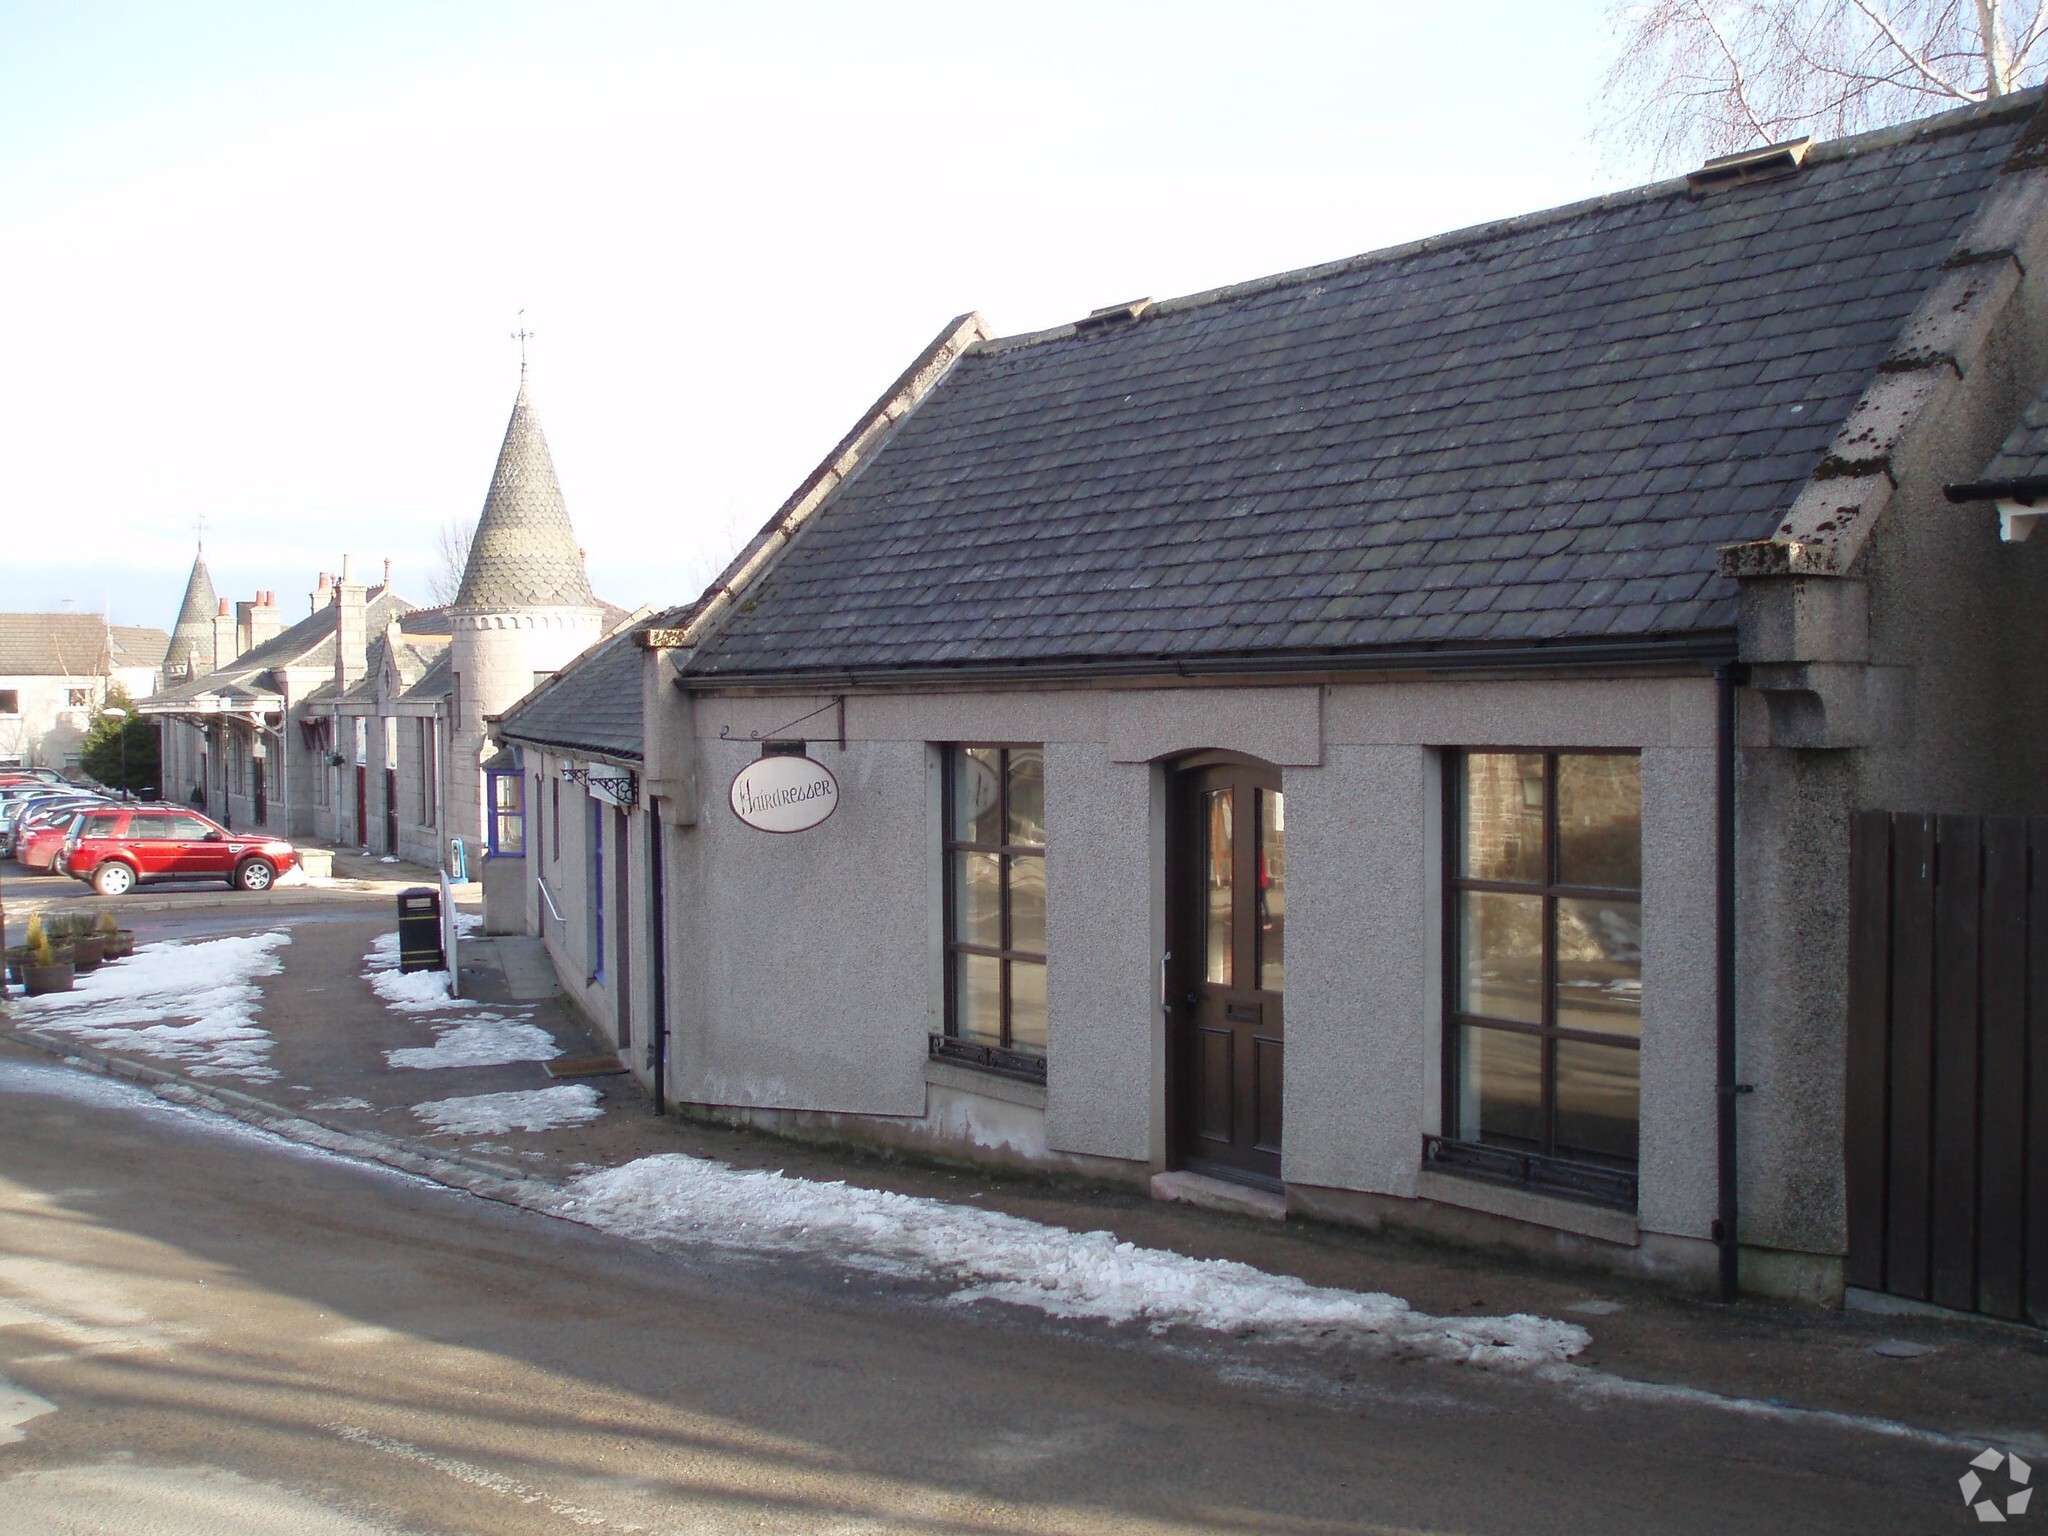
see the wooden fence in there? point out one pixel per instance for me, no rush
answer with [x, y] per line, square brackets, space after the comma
[1948, 1061]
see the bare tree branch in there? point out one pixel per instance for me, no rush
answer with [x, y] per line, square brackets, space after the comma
[1694, 78]
[451, 559]
[1912, 57]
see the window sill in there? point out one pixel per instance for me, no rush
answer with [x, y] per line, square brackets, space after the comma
[984, 1083]
[987, 1061]
[1460, 1187]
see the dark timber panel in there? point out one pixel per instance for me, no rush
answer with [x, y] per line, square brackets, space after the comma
[1912, 1056]
[2037, 1072]
[2002, 989]
[1870, 911]
[1947, 1112]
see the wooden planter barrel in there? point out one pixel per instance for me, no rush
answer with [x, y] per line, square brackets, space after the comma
[38, 979]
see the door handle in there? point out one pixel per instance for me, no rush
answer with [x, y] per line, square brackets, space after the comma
[1194, 998]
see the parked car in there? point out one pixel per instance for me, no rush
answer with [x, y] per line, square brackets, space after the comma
[31, 776]
[39, 836]
[114, 848]
[41, 810]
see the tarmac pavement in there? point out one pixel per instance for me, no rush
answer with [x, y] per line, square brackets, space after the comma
[1978, 1382]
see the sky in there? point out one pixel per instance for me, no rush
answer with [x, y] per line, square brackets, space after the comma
[260, 264]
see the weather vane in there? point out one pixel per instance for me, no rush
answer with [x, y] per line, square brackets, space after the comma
[522, 336]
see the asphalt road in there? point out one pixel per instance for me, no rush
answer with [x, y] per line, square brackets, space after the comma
[204, 1332]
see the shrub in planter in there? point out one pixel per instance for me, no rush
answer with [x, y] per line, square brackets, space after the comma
[42, 970]
[116, 942]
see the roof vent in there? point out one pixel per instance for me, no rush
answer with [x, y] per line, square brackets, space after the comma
[1113, 314]
[1752, 164]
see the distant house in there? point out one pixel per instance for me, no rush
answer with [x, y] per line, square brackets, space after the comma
[55, 670]
[364, 723]
[1387, 736]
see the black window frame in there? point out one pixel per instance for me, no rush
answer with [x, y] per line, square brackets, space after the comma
[1541, 1169]
[1004, 1058]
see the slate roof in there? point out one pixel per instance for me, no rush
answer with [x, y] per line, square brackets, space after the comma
[524, 553]
[1538, 430]
[135, 646]
[191, 644]
[308, 644]
[591, 705]
[2021, 462]
[72, 645]
[437, 682]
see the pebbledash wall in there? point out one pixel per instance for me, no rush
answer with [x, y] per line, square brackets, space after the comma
[805, 970]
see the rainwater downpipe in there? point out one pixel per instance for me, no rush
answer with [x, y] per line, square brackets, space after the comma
[657, 919]
[1727, 677]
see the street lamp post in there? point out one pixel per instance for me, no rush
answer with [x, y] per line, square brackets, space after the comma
[113, 713]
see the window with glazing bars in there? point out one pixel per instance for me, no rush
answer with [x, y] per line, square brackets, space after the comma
[1545, 961]
[995, 898]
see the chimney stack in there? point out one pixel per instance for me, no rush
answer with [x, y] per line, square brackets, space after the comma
[260, 620]
[351, 627]
[225, 635]
[323, 594]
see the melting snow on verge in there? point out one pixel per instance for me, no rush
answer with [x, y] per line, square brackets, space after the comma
[493, 1114]
[481, 1038]
[994, 1257]
[193, 1004]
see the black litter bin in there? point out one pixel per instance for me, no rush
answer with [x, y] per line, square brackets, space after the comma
[419, 930]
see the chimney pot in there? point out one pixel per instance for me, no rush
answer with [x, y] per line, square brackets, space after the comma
[224, 608]
[348, 567]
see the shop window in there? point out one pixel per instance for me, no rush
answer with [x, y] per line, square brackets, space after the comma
[995, 909]
[508, 812]
[1544, 971]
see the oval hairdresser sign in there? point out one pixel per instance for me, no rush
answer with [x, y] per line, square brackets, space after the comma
[784, 794]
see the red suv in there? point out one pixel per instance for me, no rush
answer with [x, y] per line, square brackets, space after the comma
[114, 849]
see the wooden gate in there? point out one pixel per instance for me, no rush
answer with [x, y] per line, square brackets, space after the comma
[1948, 1061]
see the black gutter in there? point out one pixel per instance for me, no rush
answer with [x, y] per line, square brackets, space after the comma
[1701, 650]
[2024, 489]
[657, 919]
[1727, 678]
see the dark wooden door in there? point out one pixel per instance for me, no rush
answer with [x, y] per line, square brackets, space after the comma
[262, 793]
[391, 810]
[362, 808]
[1227, 885]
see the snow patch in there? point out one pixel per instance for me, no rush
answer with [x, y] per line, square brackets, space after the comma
[493, 1114]
[989, 1256]
[208, 987]
[478, 1038]
[487, 1041]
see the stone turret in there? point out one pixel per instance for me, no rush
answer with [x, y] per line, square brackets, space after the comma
[525, 608]
[191, 651]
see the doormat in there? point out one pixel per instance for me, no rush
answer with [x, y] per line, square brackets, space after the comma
[586, 1066]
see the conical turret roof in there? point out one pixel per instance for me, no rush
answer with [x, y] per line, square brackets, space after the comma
[191, 651]
[524, 554]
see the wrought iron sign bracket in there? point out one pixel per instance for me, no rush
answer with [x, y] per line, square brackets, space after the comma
[838, 704]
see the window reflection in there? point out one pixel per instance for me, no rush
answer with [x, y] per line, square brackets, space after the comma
[995, 918]
[1600, 821]
[1503, 801]
[1216, 886]
[1272, 890]
[1563, 964]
